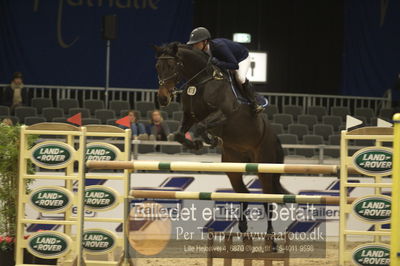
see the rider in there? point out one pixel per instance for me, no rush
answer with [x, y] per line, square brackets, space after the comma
[228, 55]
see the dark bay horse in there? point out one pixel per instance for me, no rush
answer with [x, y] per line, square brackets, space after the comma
[209, 103]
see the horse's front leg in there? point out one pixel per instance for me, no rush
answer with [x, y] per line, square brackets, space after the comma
[187, 123]
[213, 120]
[213, 141]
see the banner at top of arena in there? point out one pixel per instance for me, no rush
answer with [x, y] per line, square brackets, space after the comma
[59, 42]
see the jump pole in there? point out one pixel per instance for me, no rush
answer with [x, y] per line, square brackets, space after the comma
[395, 230]
[240, 197]
[217, 167]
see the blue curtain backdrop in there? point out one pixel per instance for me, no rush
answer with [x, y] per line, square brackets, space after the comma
[58, 42]
[371, 58]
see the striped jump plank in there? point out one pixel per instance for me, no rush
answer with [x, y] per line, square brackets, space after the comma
[217, 167]
[241, 197]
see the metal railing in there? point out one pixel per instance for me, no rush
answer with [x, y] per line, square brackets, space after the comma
[306, 100]
[133, 95]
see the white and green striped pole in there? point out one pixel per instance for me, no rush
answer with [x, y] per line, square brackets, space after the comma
[239, 197]
[216, 167]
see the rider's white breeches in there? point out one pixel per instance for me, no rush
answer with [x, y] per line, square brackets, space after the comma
[243, 69]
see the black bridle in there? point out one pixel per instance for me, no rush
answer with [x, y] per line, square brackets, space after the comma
[173, 75]
[179, 64]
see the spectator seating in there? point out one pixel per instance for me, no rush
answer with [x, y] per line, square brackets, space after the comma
[323, 130]
[173, 125]
[171, 108]
[30, 120]
[118, 106]
[4, 110]
[318, 111]
[104, 114]
[332, 152]
[284, 119]
[334, 120]
[60, 119]
[310, 140]
[340, 111]
[52, 112]
[271, 110]
[177, 115]
[85, 113]
[91, 121]
[111, 122]
[288, 139]
[144, 107]
[278, 128]
[298, 129]
[24, 111]
[315, 127]
[368, 113]
[67, 104]
[308, 120]
[294, 110]
[386, 113]
[93, 105]
[40, 103]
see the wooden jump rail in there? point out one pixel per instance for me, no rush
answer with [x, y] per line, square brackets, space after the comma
[218, 167]
[240, 197]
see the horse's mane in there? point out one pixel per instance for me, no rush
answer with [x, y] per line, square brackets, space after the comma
[173, 48]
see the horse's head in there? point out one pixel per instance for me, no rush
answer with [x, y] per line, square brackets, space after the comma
[169, 67]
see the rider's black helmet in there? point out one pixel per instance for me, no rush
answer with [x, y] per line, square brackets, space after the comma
[199, 34]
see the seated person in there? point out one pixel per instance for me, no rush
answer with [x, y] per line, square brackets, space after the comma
[136, 127]
[15, 94]
[157, 127]
[7, 122]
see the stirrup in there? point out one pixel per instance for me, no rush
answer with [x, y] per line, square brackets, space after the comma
[258, 108]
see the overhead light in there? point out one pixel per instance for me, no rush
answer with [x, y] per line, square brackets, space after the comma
[242, 37]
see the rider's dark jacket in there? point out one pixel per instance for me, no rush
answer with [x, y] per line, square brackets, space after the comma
[227, 54]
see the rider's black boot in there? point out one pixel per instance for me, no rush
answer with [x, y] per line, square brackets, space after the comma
[251, 96]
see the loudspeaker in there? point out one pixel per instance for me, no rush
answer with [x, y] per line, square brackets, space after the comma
[109, 27]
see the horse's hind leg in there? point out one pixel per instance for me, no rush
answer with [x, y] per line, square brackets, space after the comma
[238, 186]
[268, 188]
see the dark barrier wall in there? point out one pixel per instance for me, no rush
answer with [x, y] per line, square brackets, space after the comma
[303, 38]
[58, 42]
[325, 47]
[372, 46]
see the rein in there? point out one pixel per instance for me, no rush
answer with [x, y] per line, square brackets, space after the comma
[180, 89]
[216, 74]
[176, 73]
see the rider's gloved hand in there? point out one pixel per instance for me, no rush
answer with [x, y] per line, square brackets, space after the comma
[214, 61]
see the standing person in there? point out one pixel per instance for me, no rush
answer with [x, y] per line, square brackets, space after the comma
[136, 127]
[157, 126]
[16, 94]
[227, 55]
